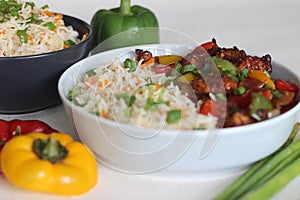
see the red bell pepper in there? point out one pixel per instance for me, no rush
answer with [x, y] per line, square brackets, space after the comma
[285, 86]
[206, 107]
[214, 108]
[241, 100]
[268, 94]
[10, 129]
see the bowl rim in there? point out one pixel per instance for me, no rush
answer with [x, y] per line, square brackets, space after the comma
[90, 33]
[227, 130]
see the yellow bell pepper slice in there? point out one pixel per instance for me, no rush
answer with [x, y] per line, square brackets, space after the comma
[167, 59]
[186, 78]
[262, 77]
[52, 163]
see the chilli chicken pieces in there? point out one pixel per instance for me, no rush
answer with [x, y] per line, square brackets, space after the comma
[227, 83]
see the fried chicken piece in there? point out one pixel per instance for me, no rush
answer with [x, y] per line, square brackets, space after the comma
[233, 55]
[239, 118]
[257, 63]
[213, 84]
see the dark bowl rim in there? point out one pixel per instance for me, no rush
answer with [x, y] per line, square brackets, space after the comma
[90, 33]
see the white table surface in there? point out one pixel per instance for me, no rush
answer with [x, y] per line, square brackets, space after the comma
[257, 26]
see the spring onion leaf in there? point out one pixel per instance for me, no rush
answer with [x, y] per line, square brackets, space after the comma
[90, 72]
[149, 81]
[31, 4]
[129, 99]
[8, 9]
[23, 36]
[173, 116]
[1, 17]
[69, 43]
[44, 7]
[243, 74]
[276, 93]
[50, 25]
[240, 90]
[130, 64]
[188, 68]
[150, 104]
[178, 67]
[72, 94]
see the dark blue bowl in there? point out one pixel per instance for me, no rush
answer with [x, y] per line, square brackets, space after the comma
[29, 83]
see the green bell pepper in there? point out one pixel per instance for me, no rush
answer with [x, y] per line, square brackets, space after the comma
[124, 26]
[259, 102]
[225, 66]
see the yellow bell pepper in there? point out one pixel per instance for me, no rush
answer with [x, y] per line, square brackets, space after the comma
[52, 163]
[167, 59]
[262, 77]
[186, 78]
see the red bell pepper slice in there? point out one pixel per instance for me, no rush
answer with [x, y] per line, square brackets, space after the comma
[268, 94]
[241, 100]
[206, 107]
[285, 86]
[215, 108]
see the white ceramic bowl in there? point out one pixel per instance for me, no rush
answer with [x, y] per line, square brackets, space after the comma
[134, 149]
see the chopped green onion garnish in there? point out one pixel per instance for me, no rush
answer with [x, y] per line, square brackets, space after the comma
[178, 67]
[127, 112]
[276, 93]
[90, 72]
[50, 25]
[31, 4]
[149, 81]
[39, 21]
[173, 116]
[240, 90]
[149, 104]
[9, 8]
[23, 36]
[44, 7]
[69, 43]
[15, 13]
[217, 96]
[130, 64]
[243, 74]
[188, 68]
[34, 15]
[73, 93]
[129, 100]
[1, 17]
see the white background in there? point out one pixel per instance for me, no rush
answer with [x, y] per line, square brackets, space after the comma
[257, 26]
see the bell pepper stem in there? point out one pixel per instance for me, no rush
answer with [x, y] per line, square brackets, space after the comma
[125, 7]
[49, 149]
